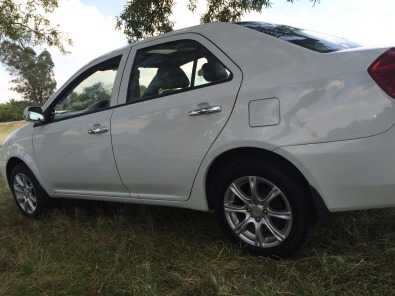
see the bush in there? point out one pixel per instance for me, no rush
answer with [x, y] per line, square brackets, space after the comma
[12, 110]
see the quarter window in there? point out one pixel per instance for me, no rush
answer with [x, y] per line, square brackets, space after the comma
[173, 67]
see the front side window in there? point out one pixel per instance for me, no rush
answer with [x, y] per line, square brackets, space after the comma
[173, 67]
[89, 93]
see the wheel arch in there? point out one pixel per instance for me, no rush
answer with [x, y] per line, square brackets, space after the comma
[14, 161]
[320, 210]
[11, 163]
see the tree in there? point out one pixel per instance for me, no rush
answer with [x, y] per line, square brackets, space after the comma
[145, 18]
[142, 18]
[25, 23]
[12, 110]
[34, 77]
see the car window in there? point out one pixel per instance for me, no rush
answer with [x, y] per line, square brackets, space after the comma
[308, 39]
[173, 67]
[91, 92]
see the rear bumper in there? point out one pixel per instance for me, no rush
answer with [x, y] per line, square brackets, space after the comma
[349, 175]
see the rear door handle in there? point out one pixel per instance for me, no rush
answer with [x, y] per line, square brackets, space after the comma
[205, 109]
[97, 129]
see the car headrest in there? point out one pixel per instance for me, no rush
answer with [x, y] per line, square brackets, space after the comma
[167, 78]
[170, 78]
[214, 71]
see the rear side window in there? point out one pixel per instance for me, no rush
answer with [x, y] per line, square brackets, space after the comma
[311, 40]
[172, 68]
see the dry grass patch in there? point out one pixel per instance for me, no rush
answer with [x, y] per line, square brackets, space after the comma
[8, 127]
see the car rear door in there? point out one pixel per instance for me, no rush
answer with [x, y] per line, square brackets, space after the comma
[165, 127]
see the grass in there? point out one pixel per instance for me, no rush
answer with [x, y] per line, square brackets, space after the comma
[7, 127]
[87, 248]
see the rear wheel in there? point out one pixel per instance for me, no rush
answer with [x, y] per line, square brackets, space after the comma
[262, 207]
[29, 196]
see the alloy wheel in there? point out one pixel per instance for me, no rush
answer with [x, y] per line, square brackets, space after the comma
[258, 212]
[25, 193]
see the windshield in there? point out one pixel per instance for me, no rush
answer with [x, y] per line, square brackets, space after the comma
[305, 38]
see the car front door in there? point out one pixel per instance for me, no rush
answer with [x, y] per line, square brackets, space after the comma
[178, 93]
[73, 147]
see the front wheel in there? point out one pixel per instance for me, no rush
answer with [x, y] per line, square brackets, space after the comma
[29, 196]
[262, 207]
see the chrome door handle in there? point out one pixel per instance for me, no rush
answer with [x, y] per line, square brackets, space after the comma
[97, 129]
[205, 110]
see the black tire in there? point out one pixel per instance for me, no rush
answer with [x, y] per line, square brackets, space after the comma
[292, 188]
[39, 194]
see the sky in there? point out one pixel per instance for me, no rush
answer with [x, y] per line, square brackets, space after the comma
[91, 26]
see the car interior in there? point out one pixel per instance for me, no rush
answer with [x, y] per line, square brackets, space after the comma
[175, 66]
[157, 71]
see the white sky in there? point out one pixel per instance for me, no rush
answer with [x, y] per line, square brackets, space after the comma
[91, 26]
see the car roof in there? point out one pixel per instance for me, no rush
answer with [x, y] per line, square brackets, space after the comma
[212, 27]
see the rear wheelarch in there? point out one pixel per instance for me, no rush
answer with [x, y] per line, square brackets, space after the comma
[261, 206]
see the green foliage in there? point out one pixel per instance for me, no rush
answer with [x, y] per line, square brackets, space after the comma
[25, 23]
[87, 248]
[231, 10]
[144, 18]
[34, 77]
[12, 110]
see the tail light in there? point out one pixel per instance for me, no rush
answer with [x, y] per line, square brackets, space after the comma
[383, 71]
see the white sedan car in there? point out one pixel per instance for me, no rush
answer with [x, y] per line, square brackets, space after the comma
[270, 126]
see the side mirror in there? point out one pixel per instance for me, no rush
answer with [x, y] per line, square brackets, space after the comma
[33, 113]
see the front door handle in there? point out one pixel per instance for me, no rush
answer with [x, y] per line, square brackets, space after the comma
[97, 130]
[205, 109]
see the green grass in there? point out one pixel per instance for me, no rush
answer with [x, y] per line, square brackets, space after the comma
[86, 248]
[7, 127]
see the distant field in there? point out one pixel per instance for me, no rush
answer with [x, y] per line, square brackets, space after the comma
[7, 127]
[87, 248]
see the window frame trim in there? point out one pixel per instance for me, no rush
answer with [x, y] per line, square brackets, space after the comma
[190, 88]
